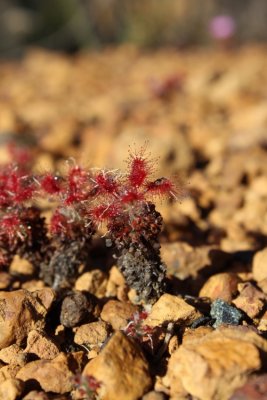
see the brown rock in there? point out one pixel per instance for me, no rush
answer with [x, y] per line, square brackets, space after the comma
[220, 286]
[21, 266]
[11, 389]
[94, 333]
[183, 260]
[77, 307]
[251, 300]
[20, 312]
[52, 375]
[38, 343]
[13, 355]
[259, 266]
[171, 308]
[118, 368]
[94, 282]
[117, 313]
[213, 367]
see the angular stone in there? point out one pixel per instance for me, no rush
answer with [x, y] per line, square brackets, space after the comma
[121, 368]
[259, 265]
[40, 344]
[117, 313]
[220, 286]
[94, 333]
[20, 312]
[171, 308]
[212, 367]
[251, 300]
[52, 375]
[224, 313]
[94, 281]
[11, 389]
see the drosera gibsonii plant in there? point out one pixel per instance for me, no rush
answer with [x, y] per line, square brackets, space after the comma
[84, 199]
[133, 223]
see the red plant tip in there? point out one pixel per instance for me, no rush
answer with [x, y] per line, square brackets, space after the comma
[58, 223]
[104, 212]
[105, 183]
[76, 177]
[131, 196]
[163, 187]
[140, 167]
[10, 225]
[51, 184]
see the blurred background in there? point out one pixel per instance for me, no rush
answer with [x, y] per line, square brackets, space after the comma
[71, 25]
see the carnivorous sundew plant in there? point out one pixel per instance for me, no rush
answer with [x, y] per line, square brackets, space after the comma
[84, 199]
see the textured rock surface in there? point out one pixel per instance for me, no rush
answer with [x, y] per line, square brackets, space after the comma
[212, 367]
[117, 313]
[250, 300]
[41, 345]
[53, 376]
[171, 308]
[20, 312]
[223, 313]
[119, 383]
[94, 333]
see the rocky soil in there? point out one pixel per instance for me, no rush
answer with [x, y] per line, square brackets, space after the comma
[204, 114]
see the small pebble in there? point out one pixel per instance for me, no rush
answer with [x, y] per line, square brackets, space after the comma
[223, 313]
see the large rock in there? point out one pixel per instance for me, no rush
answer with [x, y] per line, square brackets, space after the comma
[121, 369]
[41, 345]
[171, 308]
[22, 311]
[55, 375]
[213, 366]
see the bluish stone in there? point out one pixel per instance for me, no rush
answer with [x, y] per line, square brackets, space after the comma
[223, 313]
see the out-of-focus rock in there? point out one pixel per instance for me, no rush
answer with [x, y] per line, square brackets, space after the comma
[183, 260]
[11, 389]
[220, 286]
[250, 300]
[94, 282]
[21, 266]
[119, 383]
[52, 375]
[259, 266]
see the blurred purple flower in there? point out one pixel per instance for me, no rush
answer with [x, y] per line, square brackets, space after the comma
[222, 26]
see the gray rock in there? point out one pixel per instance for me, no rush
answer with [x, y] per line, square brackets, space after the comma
[223, 313]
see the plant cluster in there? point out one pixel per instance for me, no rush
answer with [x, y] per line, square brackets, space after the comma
[137, 329]
[84, 199]
[87, 386]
